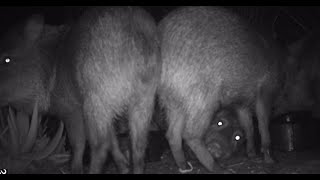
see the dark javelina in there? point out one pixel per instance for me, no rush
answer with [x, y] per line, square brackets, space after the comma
[213, 59]
[301, 90]
[225, 136]
[230, 127]
[116, 55]
[29, 72]
[106, 64]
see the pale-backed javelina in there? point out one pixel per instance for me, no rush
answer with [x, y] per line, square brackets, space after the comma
[115, 51]
[213, 59]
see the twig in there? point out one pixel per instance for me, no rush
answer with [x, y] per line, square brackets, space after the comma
[237, 164]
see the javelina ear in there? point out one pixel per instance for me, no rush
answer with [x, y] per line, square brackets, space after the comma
[34, 27]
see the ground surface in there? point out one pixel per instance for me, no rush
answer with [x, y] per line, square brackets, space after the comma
[160, 161]
[288, 163]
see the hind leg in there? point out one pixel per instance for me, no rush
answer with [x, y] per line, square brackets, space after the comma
[176, 119]
[76, 134]
[140, 113]
[120, 160]
[246, 122]
[99, 123]
[263, 115]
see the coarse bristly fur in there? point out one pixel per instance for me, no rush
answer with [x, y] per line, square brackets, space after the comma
[34, 74]
[118, 69]
[106, 63]
[212, 59]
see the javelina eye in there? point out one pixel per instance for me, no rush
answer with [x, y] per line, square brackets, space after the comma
[237, 136]
[220, 124]
[6, 60]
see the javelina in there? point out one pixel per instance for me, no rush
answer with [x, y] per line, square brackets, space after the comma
[224, 136]
[301, 90]
[213, 59]
[30, 72]
[107, 63]
[116, 55]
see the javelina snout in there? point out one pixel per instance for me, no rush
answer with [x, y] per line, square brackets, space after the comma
[224, 136]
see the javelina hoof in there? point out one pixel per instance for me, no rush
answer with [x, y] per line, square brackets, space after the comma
[183, 171]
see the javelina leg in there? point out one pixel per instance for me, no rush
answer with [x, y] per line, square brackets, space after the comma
[263, 112]
[246, 122]
[99, 145]
[174, 135]
[193, 134]
[76, 134]
[140, 114]
[98, 122]
[119, 158]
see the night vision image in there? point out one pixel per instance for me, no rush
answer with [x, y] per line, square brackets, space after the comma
[160, 90]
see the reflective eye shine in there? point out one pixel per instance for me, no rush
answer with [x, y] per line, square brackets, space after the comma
[237, 138]
[7, 60]
[220, 123]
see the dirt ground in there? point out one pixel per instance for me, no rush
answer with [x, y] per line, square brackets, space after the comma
[160, 161]
[307, 162]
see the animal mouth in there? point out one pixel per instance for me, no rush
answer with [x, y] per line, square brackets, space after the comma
[215, 150]
[218, 149]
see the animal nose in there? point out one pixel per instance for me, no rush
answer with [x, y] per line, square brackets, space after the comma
[219, 152]
[215, 150]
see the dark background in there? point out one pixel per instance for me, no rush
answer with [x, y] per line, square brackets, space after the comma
[291, 22]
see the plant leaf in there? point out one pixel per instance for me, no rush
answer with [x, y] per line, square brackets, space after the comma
[4, 131]
[32, 134]
[3, 140]
[18, 165]
[14, 145]
[52, 145]
[2, 119]
[60, 146]
[60, 158]
[22, 125]
[13, 118]
[42, 127]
